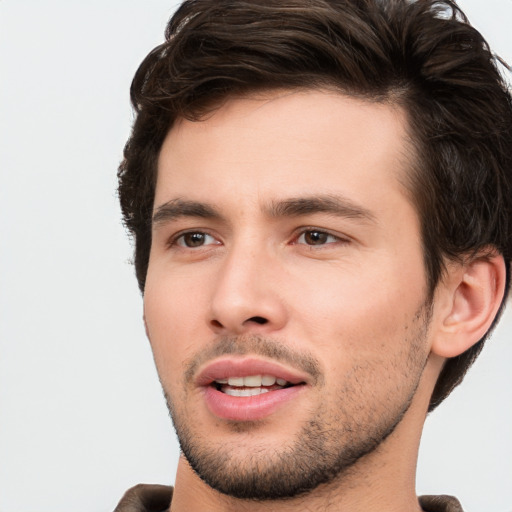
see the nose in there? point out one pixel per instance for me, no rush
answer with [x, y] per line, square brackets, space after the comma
[246, 296]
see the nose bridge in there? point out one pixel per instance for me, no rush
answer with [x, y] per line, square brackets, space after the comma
[246, 296]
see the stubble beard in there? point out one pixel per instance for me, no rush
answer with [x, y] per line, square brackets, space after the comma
[326, 448]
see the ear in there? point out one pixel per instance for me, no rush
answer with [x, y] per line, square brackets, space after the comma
[473, 293]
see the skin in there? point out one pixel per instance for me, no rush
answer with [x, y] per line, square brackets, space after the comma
[354, 302]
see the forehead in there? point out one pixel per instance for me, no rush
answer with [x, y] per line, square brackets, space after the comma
[286, 143]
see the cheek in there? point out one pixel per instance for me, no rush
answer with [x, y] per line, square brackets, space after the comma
[359, 314]
[368, 338]
[175, 317]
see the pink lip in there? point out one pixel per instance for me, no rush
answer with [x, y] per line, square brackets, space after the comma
[243, 367]
[249, 408]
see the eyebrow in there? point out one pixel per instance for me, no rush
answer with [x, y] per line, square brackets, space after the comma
[331, 204]
[292, 207]
[176, 208]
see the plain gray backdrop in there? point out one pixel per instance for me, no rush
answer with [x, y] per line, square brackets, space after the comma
[81, 413]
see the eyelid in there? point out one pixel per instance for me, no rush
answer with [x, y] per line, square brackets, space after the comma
[343, 239]
[173, 240]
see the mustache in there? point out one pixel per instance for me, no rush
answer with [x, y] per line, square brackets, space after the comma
[255, 345]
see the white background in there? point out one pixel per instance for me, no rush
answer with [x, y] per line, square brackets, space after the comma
[81, 412]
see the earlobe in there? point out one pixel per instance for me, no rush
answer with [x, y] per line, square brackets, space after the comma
[476, 292]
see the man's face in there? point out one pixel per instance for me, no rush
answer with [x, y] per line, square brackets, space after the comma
[285, 298]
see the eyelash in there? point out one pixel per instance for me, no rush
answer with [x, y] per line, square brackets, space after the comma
[309, 230]
[175, 240]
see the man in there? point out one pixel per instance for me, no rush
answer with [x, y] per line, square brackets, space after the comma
[320, 194]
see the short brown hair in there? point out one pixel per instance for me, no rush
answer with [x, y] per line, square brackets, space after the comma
[421, 55]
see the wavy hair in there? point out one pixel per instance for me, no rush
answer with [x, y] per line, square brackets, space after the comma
[421, 55]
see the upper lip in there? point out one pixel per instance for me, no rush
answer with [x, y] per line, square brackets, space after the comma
[226, 367]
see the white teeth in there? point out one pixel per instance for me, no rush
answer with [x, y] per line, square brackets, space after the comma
[252, 381]
[245, 391]
[268, 380]
[236, 381]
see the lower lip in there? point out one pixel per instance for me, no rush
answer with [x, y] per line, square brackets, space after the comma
[250, 408]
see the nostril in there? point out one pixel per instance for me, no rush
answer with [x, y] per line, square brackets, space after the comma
[258, 320]
[215, 324]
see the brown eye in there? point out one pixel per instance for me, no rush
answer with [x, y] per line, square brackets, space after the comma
[315, 237]
[195, 239]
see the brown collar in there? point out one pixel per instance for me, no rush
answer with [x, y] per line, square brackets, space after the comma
[157, 498]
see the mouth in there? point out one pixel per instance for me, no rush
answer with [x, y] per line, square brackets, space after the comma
[248, 389]
[251, 385]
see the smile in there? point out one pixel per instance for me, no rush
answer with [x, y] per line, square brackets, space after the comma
[248, 389]
[252, 385]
